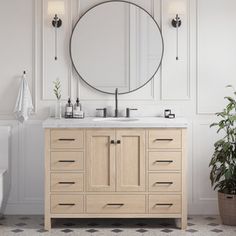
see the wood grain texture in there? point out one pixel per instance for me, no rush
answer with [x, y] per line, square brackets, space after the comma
[67, 204]
[67, 138]
[165, 182]
[130, 159]
[69, 161]
[164, 138]
[164, 161]
[122, 179]
[67, 182]
[100, 160]
[164, 204]
[115, 204]
[47, 218]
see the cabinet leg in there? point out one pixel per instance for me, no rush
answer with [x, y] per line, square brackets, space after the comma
[181, 223]
[47, 223]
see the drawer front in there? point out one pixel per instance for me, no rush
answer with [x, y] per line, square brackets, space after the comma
[67, 161]
[66, 182]
[65, 204]
[67, 138]
[164, 138]
[164, 204]
[115, 204]
[164, 182]
[164, 161]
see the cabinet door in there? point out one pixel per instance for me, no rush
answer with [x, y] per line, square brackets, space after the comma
[100, 161]
[130, 155]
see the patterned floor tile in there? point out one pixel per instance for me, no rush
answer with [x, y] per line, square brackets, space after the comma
[117, 230]
[41, 231]
[191, 230]
[33, 226]
[17, 230]
[190, 224]
[24, 218]
[20, 224]
[167, 230]
[217, 230]
[67, 230]
[92, 230]
[210, 218]
[213, 224]
[142, 230]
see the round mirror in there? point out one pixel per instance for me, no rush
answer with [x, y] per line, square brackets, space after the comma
[116, 44]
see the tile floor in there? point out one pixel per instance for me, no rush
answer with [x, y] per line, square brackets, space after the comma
[33, 225]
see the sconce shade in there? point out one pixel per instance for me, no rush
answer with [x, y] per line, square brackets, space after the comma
[177, 7]
[56, 7]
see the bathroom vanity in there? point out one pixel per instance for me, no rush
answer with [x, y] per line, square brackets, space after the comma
[115, 168]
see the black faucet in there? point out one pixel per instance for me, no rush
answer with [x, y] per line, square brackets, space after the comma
[116, 102]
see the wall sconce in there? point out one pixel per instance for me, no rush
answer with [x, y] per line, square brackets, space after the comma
[177, 8]
[56, 8]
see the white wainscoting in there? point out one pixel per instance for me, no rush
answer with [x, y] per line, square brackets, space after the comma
[175, 76]
[216, 52]
[27, 168]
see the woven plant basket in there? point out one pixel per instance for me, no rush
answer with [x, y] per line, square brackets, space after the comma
[227, 208]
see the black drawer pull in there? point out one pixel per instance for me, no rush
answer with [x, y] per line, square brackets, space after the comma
[164, 204]
[163, 161]
[164, 183]
[66, 182]
[66, 204]
[115, 204]
[66, 139]
[164, 139]
[118, 142]
[67, 161]
[113, 142]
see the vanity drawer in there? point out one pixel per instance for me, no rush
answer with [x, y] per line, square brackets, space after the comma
[65, 204]
[66, 182]
[115, 204]
[164, 161]
[67, 138]
[67, 161]
[164, 182]
[164, 138]
[164, 204]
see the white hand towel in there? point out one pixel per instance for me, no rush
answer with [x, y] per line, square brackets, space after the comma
[24, 106]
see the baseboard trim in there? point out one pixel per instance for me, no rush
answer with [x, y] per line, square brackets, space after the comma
[204, 208]
[24, 209]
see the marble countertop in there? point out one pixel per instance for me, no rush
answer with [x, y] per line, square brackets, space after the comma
[134, 122]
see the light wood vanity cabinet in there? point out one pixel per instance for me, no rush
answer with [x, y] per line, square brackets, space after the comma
[115, 172]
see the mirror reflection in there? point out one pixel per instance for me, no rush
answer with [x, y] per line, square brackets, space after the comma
[116, 45]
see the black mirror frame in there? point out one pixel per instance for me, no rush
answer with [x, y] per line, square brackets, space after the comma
[162, 54]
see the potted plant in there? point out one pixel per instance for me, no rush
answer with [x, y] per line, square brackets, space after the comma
[223, 162]
[57, 93]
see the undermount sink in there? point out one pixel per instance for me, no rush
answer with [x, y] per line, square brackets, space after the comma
[114, 119]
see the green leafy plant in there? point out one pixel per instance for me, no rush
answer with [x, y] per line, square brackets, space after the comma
[57, 89]
[223, 162]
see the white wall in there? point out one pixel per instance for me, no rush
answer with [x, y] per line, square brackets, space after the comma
[193, 87]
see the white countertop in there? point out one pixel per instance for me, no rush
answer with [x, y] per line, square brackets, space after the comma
[96, 122]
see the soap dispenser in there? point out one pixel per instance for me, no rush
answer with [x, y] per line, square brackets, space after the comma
[69, 109]
[77, 109]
